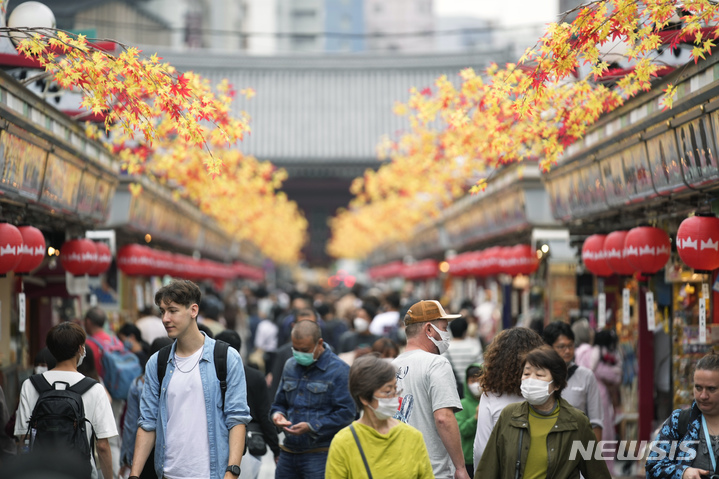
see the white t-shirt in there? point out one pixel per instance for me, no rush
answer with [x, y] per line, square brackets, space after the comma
[427, 384]
[490, 407]
[186, 418]
[384, 323]
[95, 401]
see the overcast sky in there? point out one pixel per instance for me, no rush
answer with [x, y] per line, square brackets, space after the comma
[506, 12]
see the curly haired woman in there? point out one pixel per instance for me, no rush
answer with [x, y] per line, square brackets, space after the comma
[502, 380]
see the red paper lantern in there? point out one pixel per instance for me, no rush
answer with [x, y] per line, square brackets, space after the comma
[594, 257]
[614, 253]
[78, 256]
[508, 262]
[32, 249]
[10, 246]
[490, 261]
[527, 259]
[135, 260]
[104, 259]
[698, 242]
[647, 249]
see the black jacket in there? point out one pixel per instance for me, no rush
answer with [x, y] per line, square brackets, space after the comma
[259, 401]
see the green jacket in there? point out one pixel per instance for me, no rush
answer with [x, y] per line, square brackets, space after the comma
[500, 456]
[467, 421]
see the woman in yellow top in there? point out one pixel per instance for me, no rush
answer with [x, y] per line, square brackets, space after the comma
[542, 437]
[391, 448]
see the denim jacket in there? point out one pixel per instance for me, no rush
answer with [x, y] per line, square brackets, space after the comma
[153, 405]
[659, 463]
[317, 394]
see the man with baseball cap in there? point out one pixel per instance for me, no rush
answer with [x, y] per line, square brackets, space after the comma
[429, 396]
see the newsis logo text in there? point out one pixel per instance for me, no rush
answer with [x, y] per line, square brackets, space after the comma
[634, 450]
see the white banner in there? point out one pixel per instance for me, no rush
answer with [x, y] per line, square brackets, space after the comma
[602, 310]
[626, 311]
[702, 322]
[21, 312]
[651, 321]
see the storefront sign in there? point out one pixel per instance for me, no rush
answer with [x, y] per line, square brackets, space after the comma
[62, 182]
[637, 175]
[665, 164]
[626, 317]
[86, 192]
[651, 321]
[614, 181]
[22, 164]
[698, 152]
[601, 310]
[22, 312]
[702, 321]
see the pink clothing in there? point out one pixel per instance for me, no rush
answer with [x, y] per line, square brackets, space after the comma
[106, 340]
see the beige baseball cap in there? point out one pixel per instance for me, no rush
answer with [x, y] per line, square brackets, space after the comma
[427, 310]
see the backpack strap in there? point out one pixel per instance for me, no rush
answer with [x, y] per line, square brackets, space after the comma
[40, 383]
[359, 446]
[686, 417]
[83, 386]
[571, 370]
[102, 350]
[162, 357]
[221, 349]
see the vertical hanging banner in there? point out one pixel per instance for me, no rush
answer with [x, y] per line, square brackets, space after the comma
[703, 314]
[525, 307]
[651, 320]
[21, 312]
[626, 314]
[602, 310]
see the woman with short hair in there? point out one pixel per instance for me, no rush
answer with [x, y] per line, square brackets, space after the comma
[377, 441]
[535, 438]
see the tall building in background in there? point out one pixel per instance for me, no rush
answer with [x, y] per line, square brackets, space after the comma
[303, 25]
[399, 26]
[456, 34]
[259, 23]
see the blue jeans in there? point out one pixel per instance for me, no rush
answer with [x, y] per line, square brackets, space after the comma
[301, 466]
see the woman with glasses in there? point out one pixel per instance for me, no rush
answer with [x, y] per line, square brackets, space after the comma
[377, 445]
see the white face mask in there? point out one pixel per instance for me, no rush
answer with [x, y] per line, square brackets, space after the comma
[535, 391]
[443, 344]
[40, 369]
[474, 389]
[386, 407]
[82, 356]
[361, 325]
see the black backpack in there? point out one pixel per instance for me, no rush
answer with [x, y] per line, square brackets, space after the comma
[58, 419]
[220, 354]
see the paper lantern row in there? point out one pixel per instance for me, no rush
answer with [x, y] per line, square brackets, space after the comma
[22, 248]
[83, 256]
[512, 260]
[139, 260]
[644, 250]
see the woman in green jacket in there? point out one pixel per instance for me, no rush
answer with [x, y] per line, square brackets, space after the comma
[542, 437]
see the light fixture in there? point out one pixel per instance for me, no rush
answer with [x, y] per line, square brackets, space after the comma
[51, 251]
[444, 267]
[148, 238]
[545, 248]
[29, 15]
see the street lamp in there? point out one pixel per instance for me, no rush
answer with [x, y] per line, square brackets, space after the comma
[29, 15]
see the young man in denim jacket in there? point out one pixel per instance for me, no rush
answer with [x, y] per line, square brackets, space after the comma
[312, 404]
[189, 444]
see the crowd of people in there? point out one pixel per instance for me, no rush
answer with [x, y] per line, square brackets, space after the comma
[352, 385]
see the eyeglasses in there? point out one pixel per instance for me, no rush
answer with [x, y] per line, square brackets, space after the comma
[563, 347]
[389, 394]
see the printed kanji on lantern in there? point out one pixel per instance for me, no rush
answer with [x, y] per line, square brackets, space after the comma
[104, 259]
[528, 262]
[136, 260]
[594, 257]
[78, 256]
[647, 249]
[10, 246]
[698, 242]
[614, 253]
[32, 251]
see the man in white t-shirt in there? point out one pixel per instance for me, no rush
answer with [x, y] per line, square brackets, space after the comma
[197, 432]
[66, 342]
[150, 325]
[429, 395]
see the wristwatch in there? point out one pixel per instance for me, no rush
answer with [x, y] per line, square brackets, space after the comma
[233, 469]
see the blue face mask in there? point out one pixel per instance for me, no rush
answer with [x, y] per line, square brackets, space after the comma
[304, 359]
